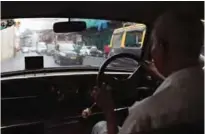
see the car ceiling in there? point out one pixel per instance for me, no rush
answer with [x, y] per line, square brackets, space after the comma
[139, 11]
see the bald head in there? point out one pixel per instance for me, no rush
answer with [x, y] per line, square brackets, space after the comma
[181, 32]
[178, 35]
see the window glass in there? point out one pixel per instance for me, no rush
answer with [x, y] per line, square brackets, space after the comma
[31, 37]
[133, 39]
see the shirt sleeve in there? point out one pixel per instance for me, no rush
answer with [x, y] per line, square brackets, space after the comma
[145, 114]
[137, 120]
[135, 105]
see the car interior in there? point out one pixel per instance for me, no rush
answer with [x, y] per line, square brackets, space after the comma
[50, 101]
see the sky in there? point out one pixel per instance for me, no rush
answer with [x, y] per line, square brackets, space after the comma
[37, 24]
[47, 23]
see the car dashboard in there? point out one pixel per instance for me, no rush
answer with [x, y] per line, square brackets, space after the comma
[56, 100]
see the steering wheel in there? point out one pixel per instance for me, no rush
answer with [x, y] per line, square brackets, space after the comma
[114, 82]
[131, 81]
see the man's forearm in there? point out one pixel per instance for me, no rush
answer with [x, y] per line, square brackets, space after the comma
[111, 122]
[160, 76]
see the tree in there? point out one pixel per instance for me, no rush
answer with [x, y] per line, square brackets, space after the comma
[48, 37]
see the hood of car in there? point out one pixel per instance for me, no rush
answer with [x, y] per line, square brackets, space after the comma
[68, 53]
[84, 50]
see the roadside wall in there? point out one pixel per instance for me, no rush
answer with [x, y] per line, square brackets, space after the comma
[7, 43]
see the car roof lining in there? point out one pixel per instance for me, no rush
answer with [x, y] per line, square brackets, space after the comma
[141, 11]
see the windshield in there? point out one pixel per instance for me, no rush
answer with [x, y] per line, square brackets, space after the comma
[35, 37]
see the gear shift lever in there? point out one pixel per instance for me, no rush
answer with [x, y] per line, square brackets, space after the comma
[87, 112]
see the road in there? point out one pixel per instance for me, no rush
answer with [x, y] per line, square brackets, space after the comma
[17, 62]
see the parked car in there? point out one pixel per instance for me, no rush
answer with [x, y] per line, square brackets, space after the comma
[41, 48]
[67, 56]
[85, 50]
[50, 50]
[32, 49]
[25, 49]
[95, 52]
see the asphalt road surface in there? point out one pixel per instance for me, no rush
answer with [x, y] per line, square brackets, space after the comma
[17, 62]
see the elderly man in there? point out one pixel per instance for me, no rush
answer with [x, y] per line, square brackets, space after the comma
[176, 42]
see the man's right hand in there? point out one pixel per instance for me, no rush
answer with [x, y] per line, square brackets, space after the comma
[86, 113]
[151, 68]
[103, 98]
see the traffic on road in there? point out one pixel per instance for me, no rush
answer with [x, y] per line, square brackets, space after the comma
[36, 37]
[18, 63]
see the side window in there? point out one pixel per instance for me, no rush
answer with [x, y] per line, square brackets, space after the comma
[116, 40]
[133, 39]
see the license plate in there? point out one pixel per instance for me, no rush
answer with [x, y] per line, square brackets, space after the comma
[73, 58]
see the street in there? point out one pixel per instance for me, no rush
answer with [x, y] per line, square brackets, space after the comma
[17, 62]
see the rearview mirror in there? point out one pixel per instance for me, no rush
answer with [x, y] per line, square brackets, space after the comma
[65, 27]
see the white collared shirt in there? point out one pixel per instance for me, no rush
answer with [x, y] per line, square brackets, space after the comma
[180, 98]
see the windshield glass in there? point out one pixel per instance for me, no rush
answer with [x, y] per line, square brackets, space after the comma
[22, 38]
[133, 38]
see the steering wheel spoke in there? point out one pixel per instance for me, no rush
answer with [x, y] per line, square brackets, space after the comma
[135, 75]
[112, 81]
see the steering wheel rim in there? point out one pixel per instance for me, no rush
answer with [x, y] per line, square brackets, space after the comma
[109, 60]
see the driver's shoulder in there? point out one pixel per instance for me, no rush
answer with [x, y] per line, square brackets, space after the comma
[160, 109]
[190, 75]
[174, 98]
[184, 79]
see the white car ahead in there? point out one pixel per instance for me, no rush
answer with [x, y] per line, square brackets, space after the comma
[41, 48]
[25, 49]
[85, 50]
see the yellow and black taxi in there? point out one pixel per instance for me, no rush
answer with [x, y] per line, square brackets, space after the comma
[128, 39]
